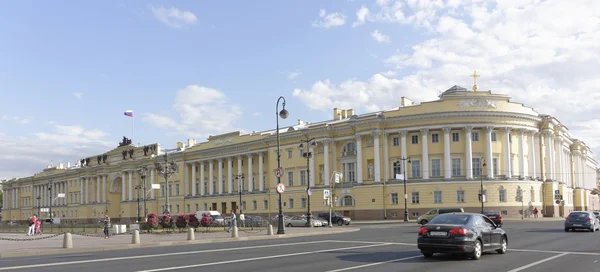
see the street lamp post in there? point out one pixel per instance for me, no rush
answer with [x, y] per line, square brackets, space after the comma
[309, 143]
[39, 199]
[50, 183]
[137, 189]
[481, 195]
[166, 169]
[283, 114]
[240, 179]
[404, 161]
[143, 176]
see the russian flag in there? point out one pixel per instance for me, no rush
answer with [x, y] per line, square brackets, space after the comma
[129, 113]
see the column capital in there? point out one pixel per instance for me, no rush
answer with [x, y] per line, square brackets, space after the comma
[506, 129]
[468, 128]
[250, 155]
[358, 137]
[220, 160]
[488, 129]
[424, 130]
[520, 131]
[447, 130]
[239, 157]
[327, 140]
[375, 132]
[229, 158]
[403, 133]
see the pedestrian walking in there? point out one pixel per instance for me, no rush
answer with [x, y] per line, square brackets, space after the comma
[31, 230]
[242, 220]
[535, 212]
[233, 221]
[38, 225]
[106, 226]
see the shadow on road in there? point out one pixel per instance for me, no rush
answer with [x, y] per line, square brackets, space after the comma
[554, 231]
[375, 257]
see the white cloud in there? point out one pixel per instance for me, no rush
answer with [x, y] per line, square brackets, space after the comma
[389, 73]
[361, 16]
[330, 20]
[17, 119]
[293, 75]
[78, 95]
[201, 112]
[174, 17]
[25, 156]
[519, 47]
[379, 37]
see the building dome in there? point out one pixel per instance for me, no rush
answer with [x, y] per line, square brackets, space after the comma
[455, 90]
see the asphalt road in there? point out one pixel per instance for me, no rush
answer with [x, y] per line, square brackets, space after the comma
[533, 246]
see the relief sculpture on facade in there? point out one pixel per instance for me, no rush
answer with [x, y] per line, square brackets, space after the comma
[477, 103]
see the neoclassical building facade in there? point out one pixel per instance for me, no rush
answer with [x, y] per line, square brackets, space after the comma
[445, 149]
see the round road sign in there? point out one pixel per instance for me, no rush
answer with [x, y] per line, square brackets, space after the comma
[280, 188]
[279, 172]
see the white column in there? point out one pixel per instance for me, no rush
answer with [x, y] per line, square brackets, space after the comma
[151, 182]
[488, 152]
[211, 187]
[425, 153]
[239, 168]
[249, 177]
[521, 135]
[447, 157]
[81, 194]
[548, 142]
[6, 198]
[403, 145]
[62, 190]
[220, 176]
[326, 176]
[16, 198]
[581, 164]
[359, 176]
[311, 164]
[469, 151]
[104, 177]
[538, 156]
[335, 154]
[230, 175]
[261, 170]
[202, 178]
[130, 189]
[386, 157]
[506, 151]
[186, 179]
[558, 157]
[98, 188]
[531, 157]
[376, 154]
[194, 192]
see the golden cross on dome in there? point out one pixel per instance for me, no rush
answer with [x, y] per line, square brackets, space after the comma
[475, 76]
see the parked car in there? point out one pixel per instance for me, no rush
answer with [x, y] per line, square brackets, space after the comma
[301, 221]
[582, 220]
[336, 218]
[423, 219]
[466, 233]
[495, 216]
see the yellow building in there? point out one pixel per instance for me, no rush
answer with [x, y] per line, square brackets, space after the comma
[451, 146]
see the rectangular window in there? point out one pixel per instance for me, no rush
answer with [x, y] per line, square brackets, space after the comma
[302, 177]
[435, 138]
[415, 167]
[290, 179]
[264, 182]
[301, 153]
[395, 141]
[437, 197]
[415, 198]
[476, 167]
[460, 196]
[455, 137]
[188, 208]
[265, 204]
[502, 195]
[254, 204]
[205, 206]
[414, 139]
[436, 167]
[394, 198]
[349, 171]
[196, 206]
[494, 138]
[289, 153]
[177, 189]
[475, 136]
[456, 167]
[243, 205]
[495, 165]
[397, 169]
[303, 203]
[291, 203]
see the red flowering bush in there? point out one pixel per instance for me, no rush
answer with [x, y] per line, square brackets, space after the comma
[206, 220]
[193, 220]
[166, 221]
[152, 221]
[181, 221]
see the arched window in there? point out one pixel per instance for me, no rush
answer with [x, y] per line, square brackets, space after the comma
[347, 201]
[349, 148]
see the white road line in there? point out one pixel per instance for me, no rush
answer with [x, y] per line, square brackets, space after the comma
[373, 264]
[156, 255]
[261, 258]
[554, 252]
[538, 262]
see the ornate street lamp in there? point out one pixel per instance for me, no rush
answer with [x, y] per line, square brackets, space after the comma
[142, 172]
[50, 183]
[166, 169]
[404, 161]
[283, 114]
[240, 179]
[308, 155]
[481, 195]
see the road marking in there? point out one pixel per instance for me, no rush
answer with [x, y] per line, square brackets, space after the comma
[261, 258]
[369, 242]
[156, 255]
[538, 262]
[373, 264]
[554, 252]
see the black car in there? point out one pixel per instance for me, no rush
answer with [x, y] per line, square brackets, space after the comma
[467, 233]
[336, 218]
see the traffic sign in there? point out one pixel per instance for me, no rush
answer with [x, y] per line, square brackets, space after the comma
[280, 188]
[557, 192]
[337, 178]
[309, 192]
[325, 194]
[279, 172]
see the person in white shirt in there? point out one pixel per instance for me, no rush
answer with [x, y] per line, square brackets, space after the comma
[232, 222]
[242, 220]
[31, 230]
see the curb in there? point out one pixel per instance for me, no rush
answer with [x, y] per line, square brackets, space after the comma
[30, 253]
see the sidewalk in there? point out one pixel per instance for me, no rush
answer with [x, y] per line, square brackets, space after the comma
[52, 244]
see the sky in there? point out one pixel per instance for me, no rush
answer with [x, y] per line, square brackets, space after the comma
[191, 69]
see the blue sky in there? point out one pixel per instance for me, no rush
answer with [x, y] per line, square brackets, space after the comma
[69, 69]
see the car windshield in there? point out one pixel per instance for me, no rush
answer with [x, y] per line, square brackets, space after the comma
[578, 215]
[450, 219]
[337, 214]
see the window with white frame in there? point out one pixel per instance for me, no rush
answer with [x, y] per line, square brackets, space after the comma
[455, 137]
[435, 138]
[460, 196]
[436, 167]
[303, 203]
[290, 178]
[265, 204]
[494, 137]
[397, 168]
[495, 165]
[302, 177]
[395, 141]
[394, 198]
[502, 194]
[291, 203]
[415, 168]
[456, 167]
[475, 136]
[348, 201]
[415, 198]
[476, 166]
[437, 197]
[349, 170]
[414, 139]
[289, 152]
[254, 204]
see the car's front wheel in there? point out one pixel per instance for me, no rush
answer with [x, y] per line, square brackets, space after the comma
[427, 254]
[503, 246]
[477, 249]
[423, 222]
[289, 225]
[566, 230]
[340, 222]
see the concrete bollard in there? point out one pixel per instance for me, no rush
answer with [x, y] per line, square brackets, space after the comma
[191, 234]
[270, 230]
[135, 238]
[234, 232]
[68, 241]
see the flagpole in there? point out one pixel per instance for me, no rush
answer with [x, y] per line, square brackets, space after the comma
[132, 129]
